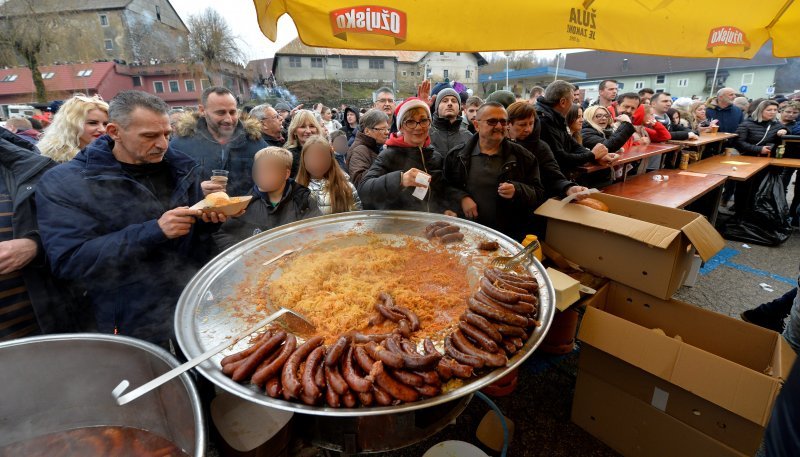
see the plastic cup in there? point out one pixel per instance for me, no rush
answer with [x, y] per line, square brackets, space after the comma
[220, 177]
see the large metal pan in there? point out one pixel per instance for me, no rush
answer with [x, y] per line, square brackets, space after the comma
[204, 317]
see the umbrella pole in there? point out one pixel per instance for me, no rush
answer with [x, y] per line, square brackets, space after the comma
[714, 81]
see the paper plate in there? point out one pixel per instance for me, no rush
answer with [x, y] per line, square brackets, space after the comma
[236, 205]
[454, 449]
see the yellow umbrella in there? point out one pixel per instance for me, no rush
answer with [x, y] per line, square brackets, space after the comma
[686, 28]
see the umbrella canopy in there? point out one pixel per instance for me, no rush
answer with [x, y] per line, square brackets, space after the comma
[685, 28]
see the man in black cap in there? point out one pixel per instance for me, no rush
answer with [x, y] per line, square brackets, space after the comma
[447, 132]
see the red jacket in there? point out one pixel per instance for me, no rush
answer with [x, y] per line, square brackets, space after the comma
[658, 133]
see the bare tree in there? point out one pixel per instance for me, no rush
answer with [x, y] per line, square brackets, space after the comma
[212, 42]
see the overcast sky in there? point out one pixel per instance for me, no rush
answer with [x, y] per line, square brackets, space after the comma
[241, 16]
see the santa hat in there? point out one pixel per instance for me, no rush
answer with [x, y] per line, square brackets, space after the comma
[408, 104]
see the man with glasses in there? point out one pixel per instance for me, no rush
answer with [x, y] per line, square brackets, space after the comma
[496, 180]
[271, 124]
[383, 99]
[552, 110]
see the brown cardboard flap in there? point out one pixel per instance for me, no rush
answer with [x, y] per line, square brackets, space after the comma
[632, 343]
[705, 238]
[784, 358]
[645, 232]
[745, 392]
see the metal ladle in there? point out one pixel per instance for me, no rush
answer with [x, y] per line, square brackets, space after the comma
[177, 371]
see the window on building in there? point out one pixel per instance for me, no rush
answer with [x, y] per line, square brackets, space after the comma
[109, 45]
[441, 53]
[376, 64]
[205, 84]
[295, 62]
[241, 87]
[660, 79]
[404, 73]
[349, 62]
[683, 82]
[158, 13]
[458, 53]
[638, 85]
[158, 87]
[137, 81]
[316, 62]
[747, 78]
[173, 86]
[84, 73]
[445, 73]
[9, 78]
[104, 20]
[419, 73]
[658, 91]
[189, 83]
[48, 75]
[468, 74]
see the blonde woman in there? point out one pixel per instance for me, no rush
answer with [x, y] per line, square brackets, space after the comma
[78, 122]
[304, 125]
[598, 127]
[697, 118]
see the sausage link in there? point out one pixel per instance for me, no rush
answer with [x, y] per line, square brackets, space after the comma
[509, 347]
[488, 245]
[498, 294]
[361, 338]
[273, 387]
[428, 390]
[404, 328]
[456, 369]
[394, 387]
[463, 344]
[413, 362]
[248, 367]
[511, 330]
[452, 237]
[447, 230]
[467, 359]
[482, 324]
[407, 377]
[386, 356]
[381, 396]
[388, 313]
[478, 336]
[353, 379]
[493, 313]
[274, 368]
[335, 351]
[517, 342]
[437, 224]
[310, 387]
[332, 398]
[363, 359]
[289, 380]
[519, 307]
[505, 285]
[386, 299]
[245, 353]
[366, 398]
[335, 380]
[411, 316]
[349, 400]
[430, 377]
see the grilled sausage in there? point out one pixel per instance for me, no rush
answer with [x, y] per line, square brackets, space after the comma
[335, 380]
[389, 358]
[463, 344]
[407, 377]
[361, 338]
[335, 351]
[332, 398]
[452, 237]
[428, 390]
[273, 368]
[411, 316]
[309, 382]
[291, 384]
[447, 230]
[478, 336]
[517, 342]
[511, 330]
[488, 245]
[502, 315]
[353, 379]
[273, 387]
[467, 359]
[388, 313]
[404, 328]
[509, 347]
[520, 307]
[430, 377]
[348, 399]
[454, 368]
[245, 353]
[386, 299]
[248, 367]
[498, 294]
[381, 396]
[392, 386]
[482, 324]
[413, 362]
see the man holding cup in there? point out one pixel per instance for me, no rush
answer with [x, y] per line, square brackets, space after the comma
[219, 140]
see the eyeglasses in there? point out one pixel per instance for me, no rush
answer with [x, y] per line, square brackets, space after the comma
[412, 124]
[494, 122]
[602, 116]
[382, 130]
[271, 118]
[385, 100]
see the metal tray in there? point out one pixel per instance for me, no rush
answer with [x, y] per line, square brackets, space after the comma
[204, 318]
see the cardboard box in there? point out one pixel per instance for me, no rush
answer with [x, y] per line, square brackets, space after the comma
[646, 246]
[704, 376]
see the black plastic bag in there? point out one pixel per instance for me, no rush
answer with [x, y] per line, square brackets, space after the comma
[767, 222]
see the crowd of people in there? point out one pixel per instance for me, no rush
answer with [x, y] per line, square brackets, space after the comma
[102, 236]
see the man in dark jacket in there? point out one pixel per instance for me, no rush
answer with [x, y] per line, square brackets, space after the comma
[30, 300]
[277, 200]
[218, 140]
[271, 124]
[661, 103]
[350, 124]
[728, 115]
[551, 110]
[497, 180]
[447, 133]
[116, 220]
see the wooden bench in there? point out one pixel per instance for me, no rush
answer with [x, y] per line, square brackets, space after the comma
[635, 153]
[703, 141]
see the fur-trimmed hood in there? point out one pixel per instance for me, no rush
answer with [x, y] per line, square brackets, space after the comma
[187, 126]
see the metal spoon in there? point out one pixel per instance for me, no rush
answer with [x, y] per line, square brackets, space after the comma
[177, 371]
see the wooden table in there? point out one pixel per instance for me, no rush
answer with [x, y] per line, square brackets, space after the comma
[746, 166]
[635, 153]
[682, 189]
[705, 139]
[789, 163]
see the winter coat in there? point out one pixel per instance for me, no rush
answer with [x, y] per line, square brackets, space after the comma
[261, 216]
[446, 135]
[360, 157]
[381, 186]
[350, 131]
[272, 141]
[568, 153]
[21, 169]
[331, 126]
[728, 118]
[296, 151]
[193, 139]
[754, 135]
[100, 231]
[320, 194]
[611, 138]
[553, 180]
[515, 215]
[677, 132]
